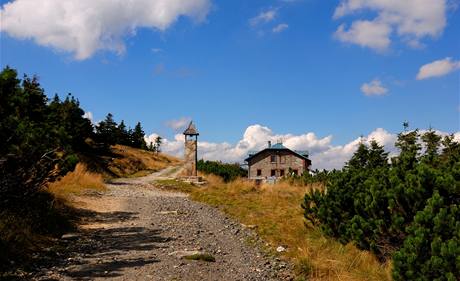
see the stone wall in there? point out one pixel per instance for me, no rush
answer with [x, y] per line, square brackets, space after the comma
[284, 160]
[190, 157]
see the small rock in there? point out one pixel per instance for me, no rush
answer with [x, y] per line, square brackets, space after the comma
[70, 236]
[249, 226]
[167, 213]
[182, 254]
[280, 249]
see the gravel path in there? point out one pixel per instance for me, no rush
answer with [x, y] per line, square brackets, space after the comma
[136, 231]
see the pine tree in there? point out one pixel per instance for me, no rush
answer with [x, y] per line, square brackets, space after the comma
[106, 131]
[123, 136]
[158, 142]
[409, 207]
[137, 137]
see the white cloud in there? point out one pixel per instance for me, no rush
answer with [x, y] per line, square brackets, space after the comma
[83, 27]
[264, 17]
[88, 115]
[412, 20]
[438, 68]
[323, 153]
[280, 28]
[178, 124]
[370, 34]
[374, 88]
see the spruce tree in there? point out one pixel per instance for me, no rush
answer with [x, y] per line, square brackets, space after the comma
[138, 137]
[122, 134]
[158, 142]
[106, 130]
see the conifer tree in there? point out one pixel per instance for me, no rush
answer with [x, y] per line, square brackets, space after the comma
[408, 209]
[138, 137]
[158, 142]
[106, 130]
[123, 136]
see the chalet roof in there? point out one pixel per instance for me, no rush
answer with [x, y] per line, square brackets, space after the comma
[278, 147]
[191, 130]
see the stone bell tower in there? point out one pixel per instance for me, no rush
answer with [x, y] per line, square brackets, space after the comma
[191, 150]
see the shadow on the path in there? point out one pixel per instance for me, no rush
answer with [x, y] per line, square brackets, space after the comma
[120, 183]
[103, 252]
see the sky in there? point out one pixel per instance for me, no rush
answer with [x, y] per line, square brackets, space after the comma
[317, 75]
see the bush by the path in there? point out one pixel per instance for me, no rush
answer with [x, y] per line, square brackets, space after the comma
[228, 172]
[407, 207]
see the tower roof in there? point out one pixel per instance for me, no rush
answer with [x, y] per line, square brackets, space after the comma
[191, 130]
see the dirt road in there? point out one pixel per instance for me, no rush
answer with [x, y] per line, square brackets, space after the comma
[136, 231]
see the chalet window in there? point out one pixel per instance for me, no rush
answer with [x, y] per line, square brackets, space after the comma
[273, 158]
[281, 173]
[283, 159]
[259, 172]
[273, 173]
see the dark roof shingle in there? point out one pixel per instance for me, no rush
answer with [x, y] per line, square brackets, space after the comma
[191, 130]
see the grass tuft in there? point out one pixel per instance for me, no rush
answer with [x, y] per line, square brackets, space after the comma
[77, 182]
[175, 185]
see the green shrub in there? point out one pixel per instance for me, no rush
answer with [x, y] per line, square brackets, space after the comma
[228, 172]
[398, 205]
[431, 250]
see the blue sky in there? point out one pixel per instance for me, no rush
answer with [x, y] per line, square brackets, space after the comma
[288, 66]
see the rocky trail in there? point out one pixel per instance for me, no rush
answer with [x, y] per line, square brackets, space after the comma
[137, 231]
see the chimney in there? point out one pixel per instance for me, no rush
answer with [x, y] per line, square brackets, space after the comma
[269, 144]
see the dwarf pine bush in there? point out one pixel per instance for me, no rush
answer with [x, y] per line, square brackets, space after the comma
[406, 208]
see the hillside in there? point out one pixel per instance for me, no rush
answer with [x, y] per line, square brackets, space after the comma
[126, 161]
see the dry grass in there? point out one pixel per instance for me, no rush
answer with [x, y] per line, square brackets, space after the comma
[276, 211]
[135, 162]
[76, 182]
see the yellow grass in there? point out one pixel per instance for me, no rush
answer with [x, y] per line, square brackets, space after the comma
[276, 211]
[135, 162]
[76, 182]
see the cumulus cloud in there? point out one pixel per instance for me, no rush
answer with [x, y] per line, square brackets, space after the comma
[178, 124]
[83, 27]
[438, 68]
[323, 153]
[411, 20]
[374, 88]
[280, 28]
[370, 34]
[88, 115]
[263, 17]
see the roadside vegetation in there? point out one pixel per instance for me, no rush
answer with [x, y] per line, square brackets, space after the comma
[405, 209]
[228, 172]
